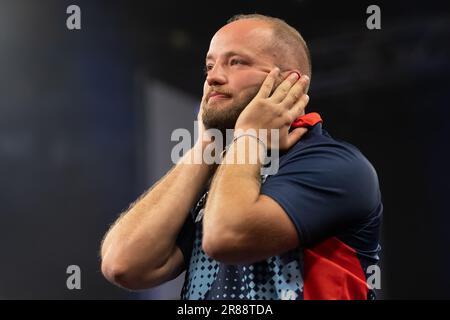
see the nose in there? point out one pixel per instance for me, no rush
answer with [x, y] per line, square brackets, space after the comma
[216, 76]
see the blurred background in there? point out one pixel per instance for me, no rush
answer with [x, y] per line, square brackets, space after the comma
[86, 117]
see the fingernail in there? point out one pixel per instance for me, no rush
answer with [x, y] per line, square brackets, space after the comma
[294, 75]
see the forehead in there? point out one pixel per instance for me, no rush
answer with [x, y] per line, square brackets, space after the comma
[250, 37]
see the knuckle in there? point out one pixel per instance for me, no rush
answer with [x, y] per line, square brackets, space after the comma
[289, 119]
[284, 90]
[278, 112]
[296, 96]
[264, 103]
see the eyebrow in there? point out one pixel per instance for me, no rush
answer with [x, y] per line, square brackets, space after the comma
[229, 54]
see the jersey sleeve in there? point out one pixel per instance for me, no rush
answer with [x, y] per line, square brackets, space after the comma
[324, 189]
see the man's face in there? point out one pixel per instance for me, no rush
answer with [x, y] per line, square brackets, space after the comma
[238, 61]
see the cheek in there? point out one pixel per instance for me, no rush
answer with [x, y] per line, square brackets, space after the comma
[248, 86]
[250, 81]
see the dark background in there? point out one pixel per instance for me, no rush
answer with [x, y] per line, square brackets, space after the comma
[71, 127]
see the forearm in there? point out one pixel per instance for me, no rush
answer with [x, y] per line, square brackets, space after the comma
[144, 237]
[235, 187]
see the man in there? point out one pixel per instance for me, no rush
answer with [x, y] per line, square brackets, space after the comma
[309, 231]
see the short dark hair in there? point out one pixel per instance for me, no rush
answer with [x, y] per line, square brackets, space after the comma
[286, 37]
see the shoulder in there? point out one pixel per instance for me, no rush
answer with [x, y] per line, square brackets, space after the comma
[317, 148]
[322, 161]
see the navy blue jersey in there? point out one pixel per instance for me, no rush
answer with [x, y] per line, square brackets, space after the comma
[330, 192]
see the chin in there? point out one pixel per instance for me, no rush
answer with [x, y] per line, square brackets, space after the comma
[219, 103]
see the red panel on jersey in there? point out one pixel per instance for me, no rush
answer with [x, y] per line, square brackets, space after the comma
[307, 120]
[332, 271]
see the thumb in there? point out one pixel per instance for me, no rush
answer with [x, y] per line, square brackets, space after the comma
[295, 136]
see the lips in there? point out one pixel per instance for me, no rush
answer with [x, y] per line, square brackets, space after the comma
[218, 95]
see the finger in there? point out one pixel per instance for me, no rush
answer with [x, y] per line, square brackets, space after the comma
[299, 107]
[295, 135]
[200, 113]
[282, 90]
[267, 85]
[205, 90]
[296, 92]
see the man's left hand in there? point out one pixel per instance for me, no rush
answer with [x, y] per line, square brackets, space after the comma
[277, 110]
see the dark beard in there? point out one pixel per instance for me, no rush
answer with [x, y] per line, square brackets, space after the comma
[222, 119]
[214, 118]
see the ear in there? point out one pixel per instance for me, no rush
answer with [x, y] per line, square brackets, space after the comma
[288, 72]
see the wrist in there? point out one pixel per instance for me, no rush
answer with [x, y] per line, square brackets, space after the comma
[245, 149]
[199, 154]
